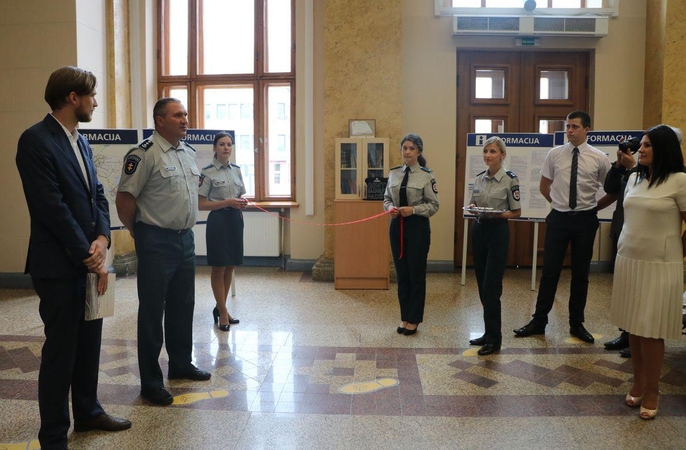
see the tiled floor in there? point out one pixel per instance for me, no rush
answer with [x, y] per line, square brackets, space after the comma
[312, 367]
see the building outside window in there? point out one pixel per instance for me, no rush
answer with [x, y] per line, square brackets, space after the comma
[242, 80]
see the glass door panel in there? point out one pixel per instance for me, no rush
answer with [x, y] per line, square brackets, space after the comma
[554, 85]
[489, 84]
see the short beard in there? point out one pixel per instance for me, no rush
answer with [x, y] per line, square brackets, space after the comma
[82, 116]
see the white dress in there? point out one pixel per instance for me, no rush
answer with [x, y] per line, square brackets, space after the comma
[649, 272]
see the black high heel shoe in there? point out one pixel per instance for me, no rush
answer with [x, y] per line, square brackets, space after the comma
[215, 315]
[409, 332]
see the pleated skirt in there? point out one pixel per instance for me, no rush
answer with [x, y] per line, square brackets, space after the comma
[647, 297]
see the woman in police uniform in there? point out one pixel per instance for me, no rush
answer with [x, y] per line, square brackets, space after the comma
[498, 189]
[220, 191]
[411, 197]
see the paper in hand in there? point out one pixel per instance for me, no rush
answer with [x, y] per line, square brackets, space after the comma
[99, 306]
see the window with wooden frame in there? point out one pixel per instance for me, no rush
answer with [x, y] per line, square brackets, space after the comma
[520, 3]
[232, 64]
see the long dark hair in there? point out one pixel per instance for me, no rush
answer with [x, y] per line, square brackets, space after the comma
[416, 140]
[667, 157]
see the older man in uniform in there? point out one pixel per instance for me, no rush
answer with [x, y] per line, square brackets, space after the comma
[157, 201]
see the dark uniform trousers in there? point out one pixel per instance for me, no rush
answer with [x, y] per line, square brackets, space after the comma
[70, 358]
[490, 241]
[166, 288]
[411, 269]
[579, 229]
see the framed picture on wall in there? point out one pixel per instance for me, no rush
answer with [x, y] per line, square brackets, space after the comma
[362, 128]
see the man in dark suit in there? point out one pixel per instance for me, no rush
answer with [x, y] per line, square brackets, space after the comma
[69, 237]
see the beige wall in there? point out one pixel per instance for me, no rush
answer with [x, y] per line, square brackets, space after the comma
[673, 91]
[37, 37]
[363, 69]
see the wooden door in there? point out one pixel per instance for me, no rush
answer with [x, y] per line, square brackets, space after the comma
[515, 92]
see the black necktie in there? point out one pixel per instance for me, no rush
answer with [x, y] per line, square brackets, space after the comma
[403, 188]
[572, 178]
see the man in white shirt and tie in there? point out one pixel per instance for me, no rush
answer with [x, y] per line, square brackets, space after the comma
[573, 219]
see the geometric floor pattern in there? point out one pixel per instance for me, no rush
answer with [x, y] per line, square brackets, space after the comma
[312, 367]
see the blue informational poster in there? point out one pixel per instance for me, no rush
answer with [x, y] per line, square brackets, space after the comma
[525, 155]
[109, 148]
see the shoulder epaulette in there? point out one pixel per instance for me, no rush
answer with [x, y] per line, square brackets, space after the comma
[397, 167]
[234, 165]
[427, 170]
[481, 173]
[146, 144]
[511, 174]
[189, 146]
[208, 166]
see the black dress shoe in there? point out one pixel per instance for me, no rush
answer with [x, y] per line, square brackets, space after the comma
[103, 422]
[618, 343]
[625, 353]
[400, 330]
[478, 341]
[158, 396]
[530, 329]
[233, 321]
[580, 332]
[192, 373]
[488, 348]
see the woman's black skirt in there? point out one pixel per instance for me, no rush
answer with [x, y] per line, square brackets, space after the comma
[224, 237]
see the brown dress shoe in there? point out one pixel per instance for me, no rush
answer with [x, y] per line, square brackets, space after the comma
[104, 422]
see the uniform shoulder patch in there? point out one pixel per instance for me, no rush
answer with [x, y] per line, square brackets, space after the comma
[427, 170]
[146, 144]
[131, 164]
[515, 192]
[207, 166]
[434, 186]
[397, 167]
[189, 146]
[511, 174]
[200, 180]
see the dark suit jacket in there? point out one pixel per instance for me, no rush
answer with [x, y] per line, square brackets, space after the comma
[65, 216]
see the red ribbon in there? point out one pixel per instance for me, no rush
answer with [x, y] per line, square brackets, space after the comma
[320, 224]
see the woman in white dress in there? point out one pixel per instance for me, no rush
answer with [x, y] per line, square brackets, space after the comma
[648, 280]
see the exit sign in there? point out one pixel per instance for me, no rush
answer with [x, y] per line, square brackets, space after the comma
[528, 42]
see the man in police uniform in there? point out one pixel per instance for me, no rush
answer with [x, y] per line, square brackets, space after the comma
[157, 202]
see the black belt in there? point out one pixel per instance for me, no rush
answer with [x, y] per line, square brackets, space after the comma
[165, 230]
[487, 221]
[587, 212]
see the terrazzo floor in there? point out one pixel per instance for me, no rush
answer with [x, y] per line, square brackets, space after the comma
[311, 367]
